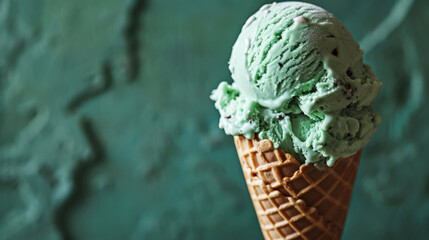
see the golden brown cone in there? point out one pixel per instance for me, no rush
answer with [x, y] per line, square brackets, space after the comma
[293, 200]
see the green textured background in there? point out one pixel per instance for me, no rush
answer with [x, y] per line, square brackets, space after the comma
[107, 130]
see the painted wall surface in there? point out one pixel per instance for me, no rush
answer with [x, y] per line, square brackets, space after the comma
[107, 130]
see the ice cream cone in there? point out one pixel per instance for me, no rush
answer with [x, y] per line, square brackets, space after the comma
[293, 200]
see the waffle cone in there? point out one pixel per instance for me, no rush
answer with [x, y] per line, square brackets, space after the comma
[293, 200]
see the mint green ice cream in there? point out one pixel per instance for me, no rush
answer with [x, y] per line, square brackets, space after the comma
[299, 80]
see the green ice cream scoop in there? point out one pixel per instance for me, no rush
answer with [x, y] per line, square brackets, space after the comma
[299, 80]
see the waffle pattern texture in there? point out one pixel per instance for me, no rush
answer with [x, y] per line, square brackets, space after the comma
[293, 200]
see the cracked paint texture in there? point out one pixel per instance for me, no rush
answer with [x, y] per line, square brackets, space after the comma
[107, 131]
